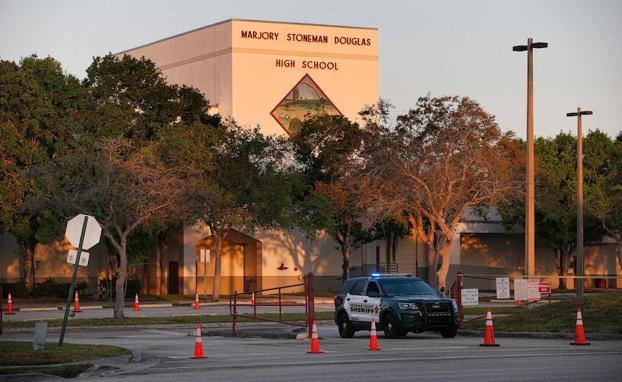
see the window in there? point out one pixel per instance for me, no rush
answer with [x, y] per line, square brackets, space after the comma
[406, 287]
[372, 288]
[358, 287]
[346, 287]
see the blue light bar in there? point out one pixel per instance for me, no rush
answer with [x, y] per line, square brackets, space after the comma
[375, 274]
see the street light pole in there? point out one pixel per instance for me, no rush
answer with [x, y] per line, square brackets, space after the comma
[530, 247]
[579, 265]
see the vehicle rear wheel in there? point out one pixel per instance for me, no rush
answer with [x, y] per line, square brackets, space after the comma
[391, 326]
[345, 326]
[449, 333]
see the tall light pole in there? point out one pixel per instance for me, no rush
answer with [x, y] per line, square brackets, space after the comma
[530, 246]
[579, 265]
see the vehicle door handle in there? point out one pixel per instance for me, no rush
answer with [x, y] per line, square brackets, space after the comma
[364, 300]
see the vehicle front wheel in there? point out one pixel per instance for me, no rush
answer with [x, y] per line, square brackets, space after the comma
[449, 333]
[345, 326]
[391, 326]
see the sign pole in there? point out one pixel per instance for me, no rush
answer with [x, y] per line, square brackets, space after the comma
[73, 281]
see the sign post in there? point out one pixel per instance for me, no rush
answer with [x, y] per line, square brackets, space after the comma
[88, 237]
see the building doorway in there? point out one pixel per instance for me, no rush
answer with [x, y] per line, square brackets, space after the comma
[173, 277]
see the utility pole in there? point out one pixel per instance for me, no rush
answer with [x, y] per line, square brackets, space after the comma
[530, 246]
[579, 265]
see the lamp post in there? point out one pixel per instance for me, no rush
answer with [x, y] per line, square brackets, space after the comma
[530, 246]
[579, 265]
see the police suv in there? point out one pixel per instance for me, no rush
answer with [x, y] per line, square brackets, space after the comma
[398, 303]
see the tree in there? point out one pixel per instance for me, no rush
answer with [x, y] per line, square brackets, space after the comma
[603, 177]
[324, 147]
[42, 111]
[123, 187]
[556, 195]
[238, 180]
[444, 157]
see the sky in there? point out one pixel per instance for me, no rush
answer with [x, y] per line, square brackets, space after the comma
[442, 47]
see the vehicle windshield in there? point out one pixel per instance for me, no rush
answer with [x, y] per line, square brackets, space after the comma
[406, 287]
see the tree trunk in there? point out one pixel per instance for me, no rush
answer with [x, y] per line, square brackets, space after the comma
[217, 269]
[561, 267]
[345, 254]
[395, 240]
[430, 253]
[119, 300]
[444, 269]
[389, 246]
[160, 264]
[29, 266]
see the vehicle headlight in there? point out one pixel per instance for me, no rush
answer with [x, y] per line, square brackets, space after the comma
[454, 304]
[408, 306]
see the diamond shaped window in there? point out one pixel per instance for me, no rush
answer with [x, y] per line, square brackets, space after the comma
[305, 99]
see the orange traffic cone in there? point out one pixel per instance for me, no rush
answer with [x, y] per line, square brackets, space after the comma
[253, 301]
[197, 305]
[489, 335]
[136, 304]
[373, 338]
[198, 344]
[579, 336]
[315, 342]
[76, 303]
[9, 305]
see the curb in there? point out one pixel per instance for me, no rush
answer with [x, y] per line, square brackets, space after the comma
[593, 336]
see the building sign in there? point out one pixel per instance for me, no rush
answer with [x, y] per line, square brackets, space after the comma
[470, 297]
[305, 99]
[503, 287]
[306, 37]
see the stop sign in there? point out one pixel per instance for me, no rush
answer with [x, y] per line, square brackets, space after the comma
[91, 234]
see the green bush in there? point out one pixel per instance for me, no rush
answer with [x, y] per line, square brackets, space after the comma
[47, 288]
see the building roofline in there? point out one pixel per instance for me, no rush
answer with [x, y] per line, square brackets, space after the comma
[236, 19]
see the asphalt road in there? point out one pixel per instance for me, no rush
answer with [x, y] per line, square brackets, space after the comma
[161, 312]
[166, 356]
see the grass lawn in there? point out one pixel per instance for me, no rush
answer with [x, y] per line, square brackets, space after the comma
[200, 319]
[16, 353]
[495, 310]
[602, 313]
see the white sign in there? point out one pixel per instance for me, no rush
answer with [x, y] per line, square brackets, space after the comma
[470, 297]
[520, 289]
[533, 290]
[205, 255]
[503, 287]
[91, 234]
[84, 257]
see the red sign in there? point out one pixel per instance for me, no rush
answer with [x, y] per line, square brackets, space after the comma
[544, 287]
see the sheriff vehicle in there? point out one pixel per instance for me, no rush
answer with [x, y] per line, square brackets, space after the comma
[398, 303]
